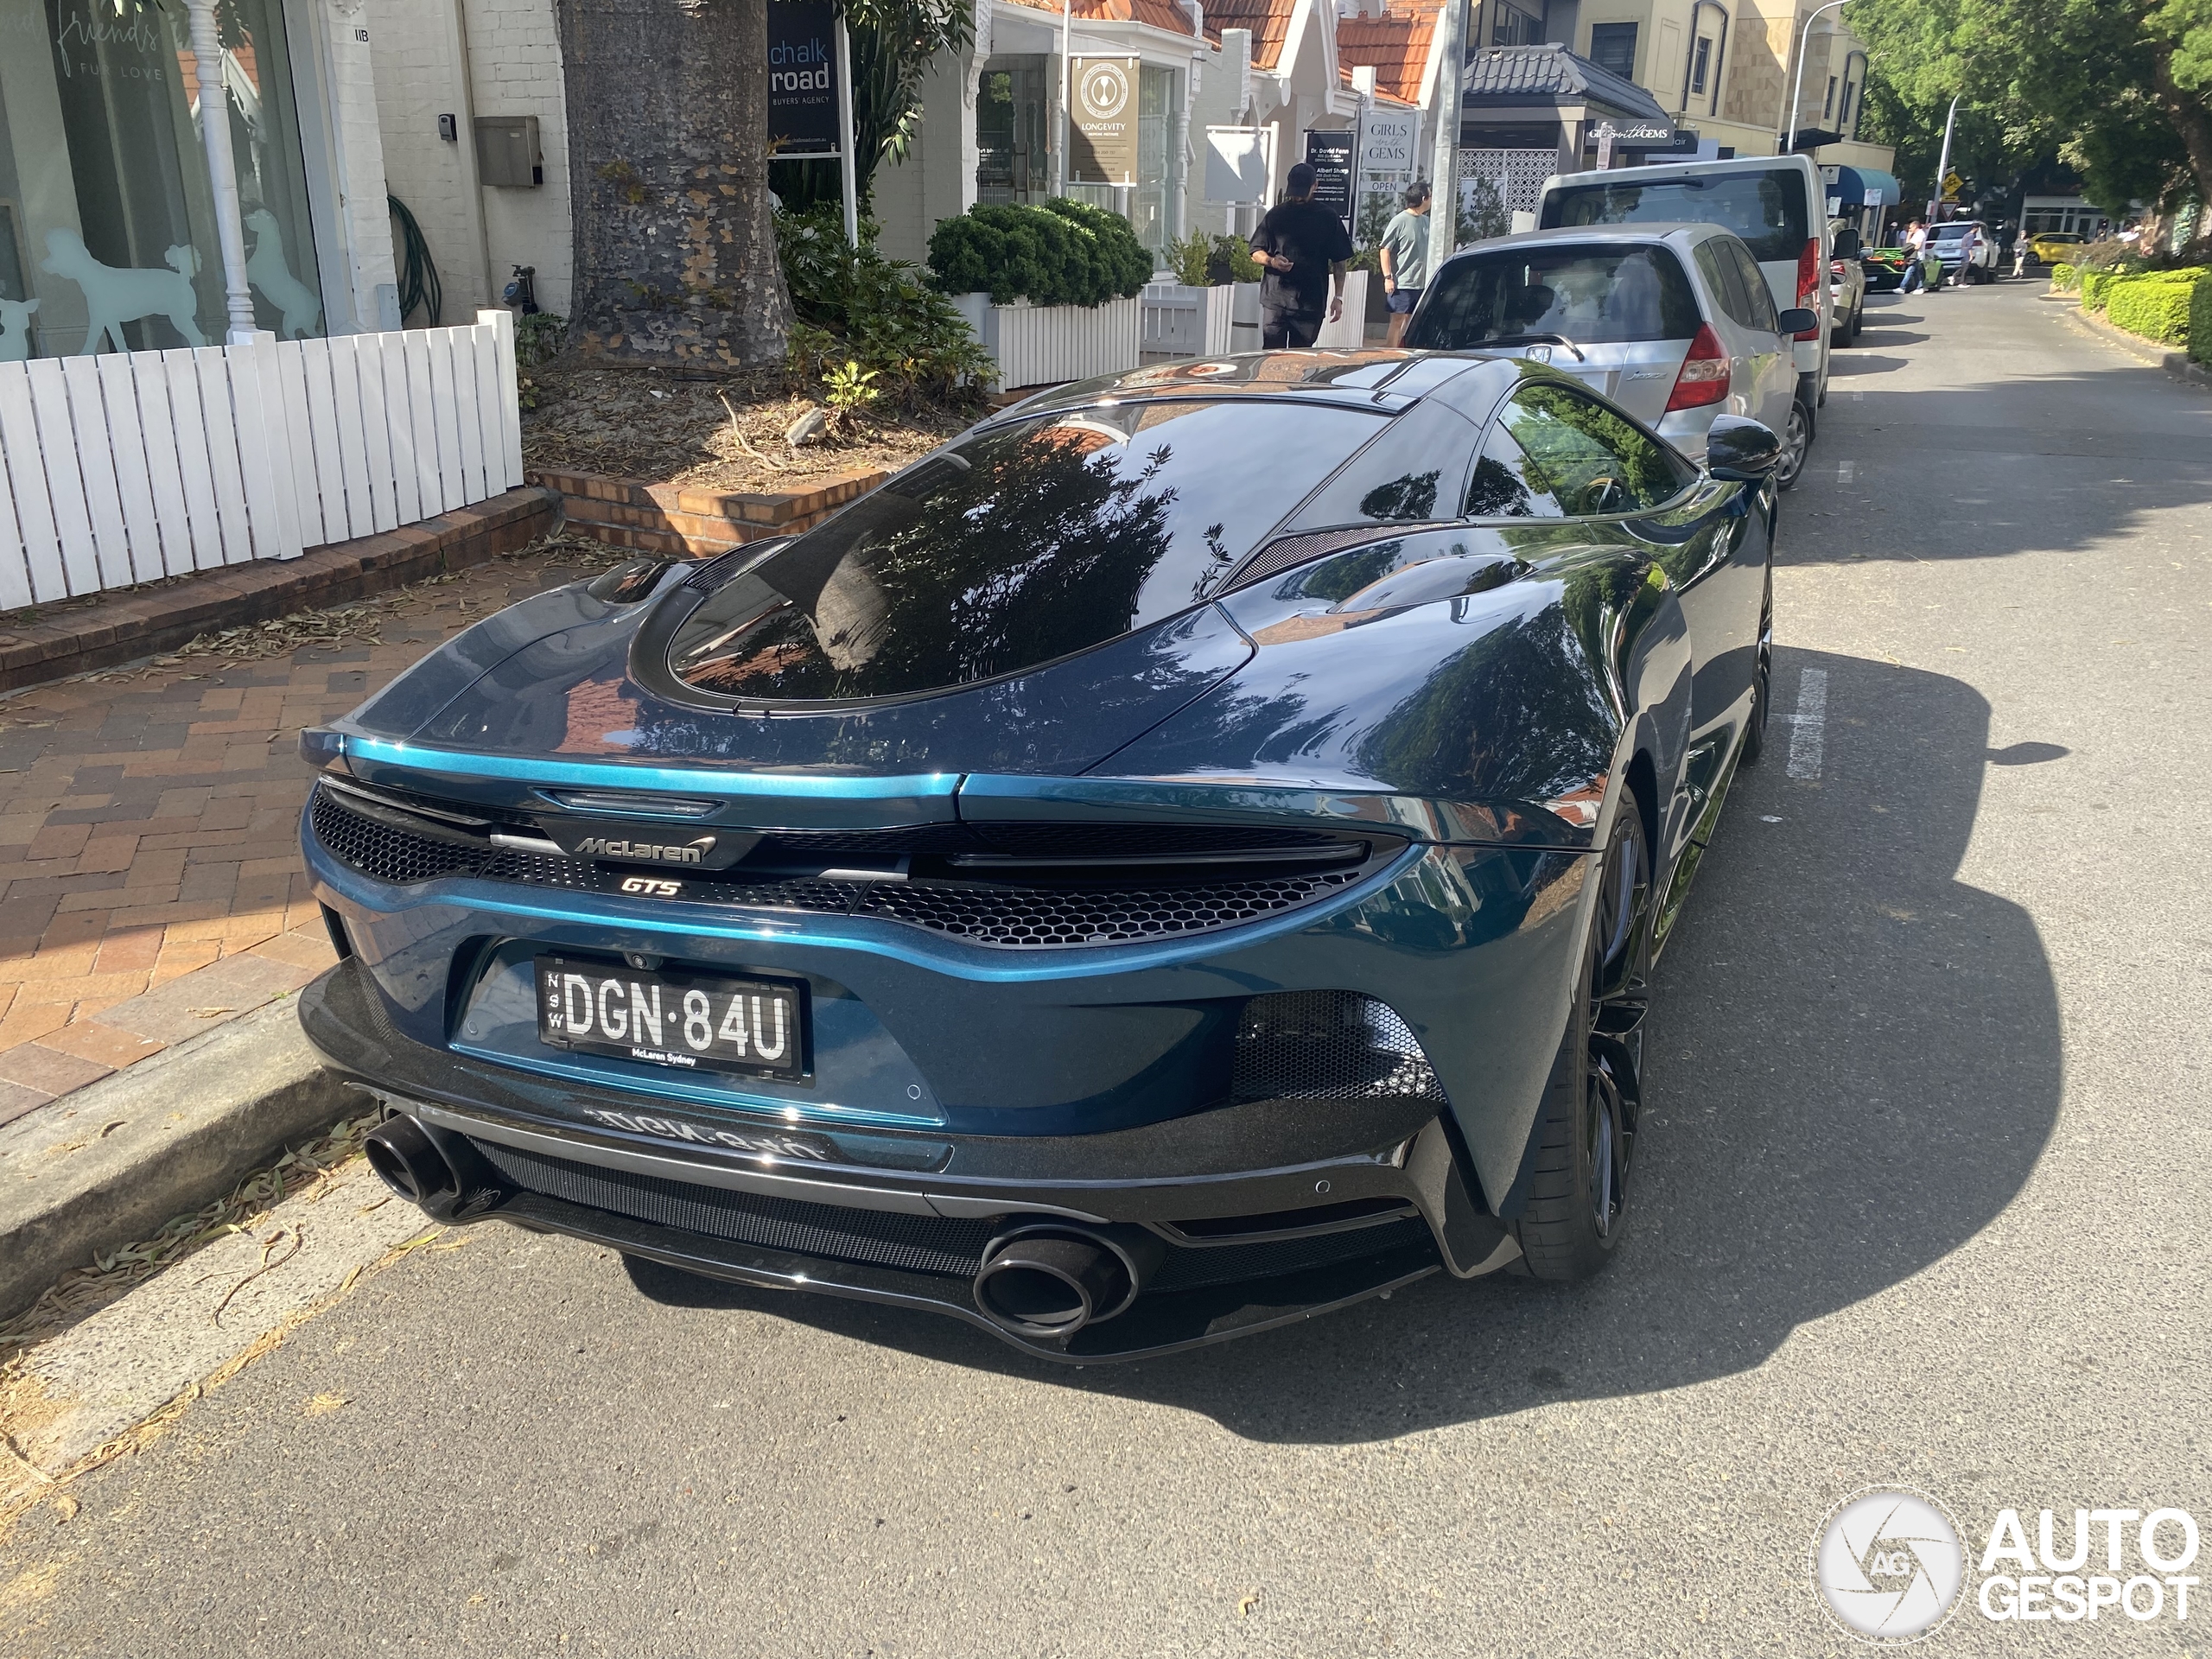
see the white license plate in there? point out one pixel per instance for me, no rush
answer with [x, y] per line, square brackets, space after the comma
[685, 1021]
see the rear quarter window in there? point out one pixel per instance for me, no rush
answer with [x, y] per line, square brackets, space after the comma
[1767, 209]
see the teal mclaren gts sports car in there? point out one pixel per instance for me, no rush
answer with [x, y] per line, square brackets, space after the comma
[1187, 855]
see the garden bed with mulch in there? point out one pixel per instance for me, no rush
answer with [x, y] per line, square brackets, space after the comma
[722, 434]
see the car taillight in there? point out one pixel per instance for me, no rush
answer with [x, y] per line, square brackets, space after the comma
[1808, 284]
[1835, 267]
[1704, 377]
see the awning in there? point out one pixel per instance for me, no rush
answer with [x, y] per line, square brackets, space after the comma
[1862, 187]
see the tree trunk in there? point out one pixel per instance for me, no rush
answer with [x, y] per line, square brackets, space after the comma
[668, 141]
[2192, 119]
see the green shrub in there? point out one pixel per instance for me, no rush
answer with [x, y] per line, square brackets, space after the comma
[857, 308]
[2064, 279]
[1187, 258]
[2200, 321]
[2094, 285]
[539, 338]
[1232, 261]
[1061, 252]
[2156, 304]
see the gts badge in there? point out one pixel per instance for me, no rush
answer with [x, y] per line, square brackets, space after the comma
[660, 853]
[652, 886]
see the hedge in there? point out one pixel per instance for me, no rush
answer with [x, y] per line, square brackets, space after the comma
[1059, 252]
[2154, 304]
[2200, 321]
[2094, 284]
[2065, 278]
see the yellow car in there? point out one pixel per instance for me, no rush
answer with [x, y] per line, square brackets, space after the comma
[2054, 247]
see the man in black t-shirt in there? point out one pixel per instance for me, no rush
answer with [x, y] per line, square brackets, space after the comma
[1305, 250]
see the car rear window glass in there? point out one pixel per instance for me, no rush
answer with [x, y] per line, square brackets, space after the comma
[1505, 483]
[1596, 460]
[1019, 544]
[1591, 294]
[1950, 232]
[1766, 208]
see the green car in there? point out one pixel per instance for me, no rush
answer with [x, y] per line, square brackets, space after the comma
[1885, 267]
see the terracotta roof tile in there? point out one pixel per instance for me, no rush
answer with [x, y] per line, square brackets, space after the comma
[1268, 19]
[1160, 14]
[1396, 44]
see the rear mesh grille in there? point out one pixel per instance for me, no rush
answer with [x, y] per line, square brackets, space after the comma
[1064, 916]
[1328, 1045]
[950, 1245]
[1143, 905]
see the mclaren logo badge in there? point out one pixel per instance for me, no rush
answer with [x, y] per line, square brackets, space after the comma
[689, 852]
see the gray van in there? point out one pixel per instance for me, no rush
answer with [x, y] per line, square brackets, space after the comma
[1774, 204]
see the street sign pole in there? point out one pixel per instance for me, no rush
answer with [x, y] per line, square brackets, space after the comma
[1450, 96]
[1943, 166]
[846, 169]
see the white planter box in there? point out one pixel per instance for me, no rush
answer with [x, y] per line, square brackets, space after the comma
[1187, 321]
[1348, 332]
[1043, 345]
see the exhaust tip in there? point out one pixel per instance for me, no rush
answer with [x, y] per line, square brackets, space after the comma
[1050, 1282]
[409, 1161]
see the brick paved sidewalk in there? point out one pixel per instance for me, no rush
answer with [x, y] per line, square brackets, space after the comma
[149, 824]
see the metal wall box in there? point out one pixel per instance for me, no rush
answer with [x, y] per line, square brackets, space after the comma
[507, 153]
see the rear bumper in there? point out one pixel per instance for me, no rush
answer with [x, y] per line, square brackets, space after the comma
[1270, 1211]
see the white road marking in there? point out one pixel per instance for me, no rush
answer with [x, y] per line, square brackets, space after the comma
[1844, 469]
[1809, 727]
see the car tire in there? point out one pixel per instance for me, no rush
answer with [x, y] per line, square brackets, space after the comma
[1762, 683]
[1578, 1200]
[1797, 444]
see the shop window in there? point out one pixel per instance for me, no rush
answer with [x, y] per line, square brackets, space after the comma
[1612, 47]
[107, 226]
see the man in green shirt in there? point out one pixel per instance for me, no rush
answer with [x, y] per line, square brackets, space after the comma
[1405, 259]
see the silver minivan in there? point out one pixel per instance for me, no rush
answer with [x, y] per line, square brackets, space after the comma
[1672, 322]
[1776, 204]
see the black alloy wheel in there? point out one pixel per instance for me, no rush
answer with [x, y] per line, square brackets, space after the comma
[1797, 444]
[1762, 683]
[1577, 1201]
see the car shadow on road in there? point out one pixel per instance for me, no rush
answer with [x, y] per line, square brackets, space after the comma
[1854, 1067]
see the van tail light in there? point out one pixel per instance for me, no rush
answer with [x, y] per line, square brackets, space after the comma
[1704, 377]
[1808, 284]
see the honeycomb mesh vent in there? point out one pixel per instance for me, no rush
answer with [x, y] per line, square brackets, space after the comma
[1329, 1045]
[1038, 916]
[1146, 904]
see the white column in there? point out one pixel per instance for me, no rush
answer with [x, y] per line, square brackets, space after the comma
[222, 170]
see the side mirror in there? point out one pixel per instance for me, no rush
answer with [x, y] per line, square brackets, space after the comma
[1846, 244]
[1741, 451]
[1796, 321]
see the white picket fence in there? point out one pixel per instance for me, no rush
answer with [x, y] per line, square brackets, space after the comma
[128, 467]
[1184, 321]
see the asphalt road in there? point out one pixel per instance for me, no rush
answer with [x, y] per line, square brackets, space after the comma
[1923, 1202]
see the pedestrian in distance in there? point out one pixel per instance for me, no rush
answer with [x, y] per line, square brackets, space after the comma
[1916, 245]
[1305, 251]
[1404, 254]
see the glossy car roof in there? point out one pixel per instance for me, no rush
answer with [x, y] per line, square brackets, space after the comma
[1384, 378]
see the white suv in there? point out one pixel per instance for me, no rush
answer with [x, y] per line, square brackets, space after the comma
[1947, 242]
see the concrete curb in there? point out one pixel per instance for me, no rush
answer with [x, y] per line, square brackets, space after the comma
[2177, 364]
[111, 1163]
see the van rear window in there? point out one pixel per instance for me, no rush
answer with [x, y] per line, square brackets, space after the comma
[1766, 209]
